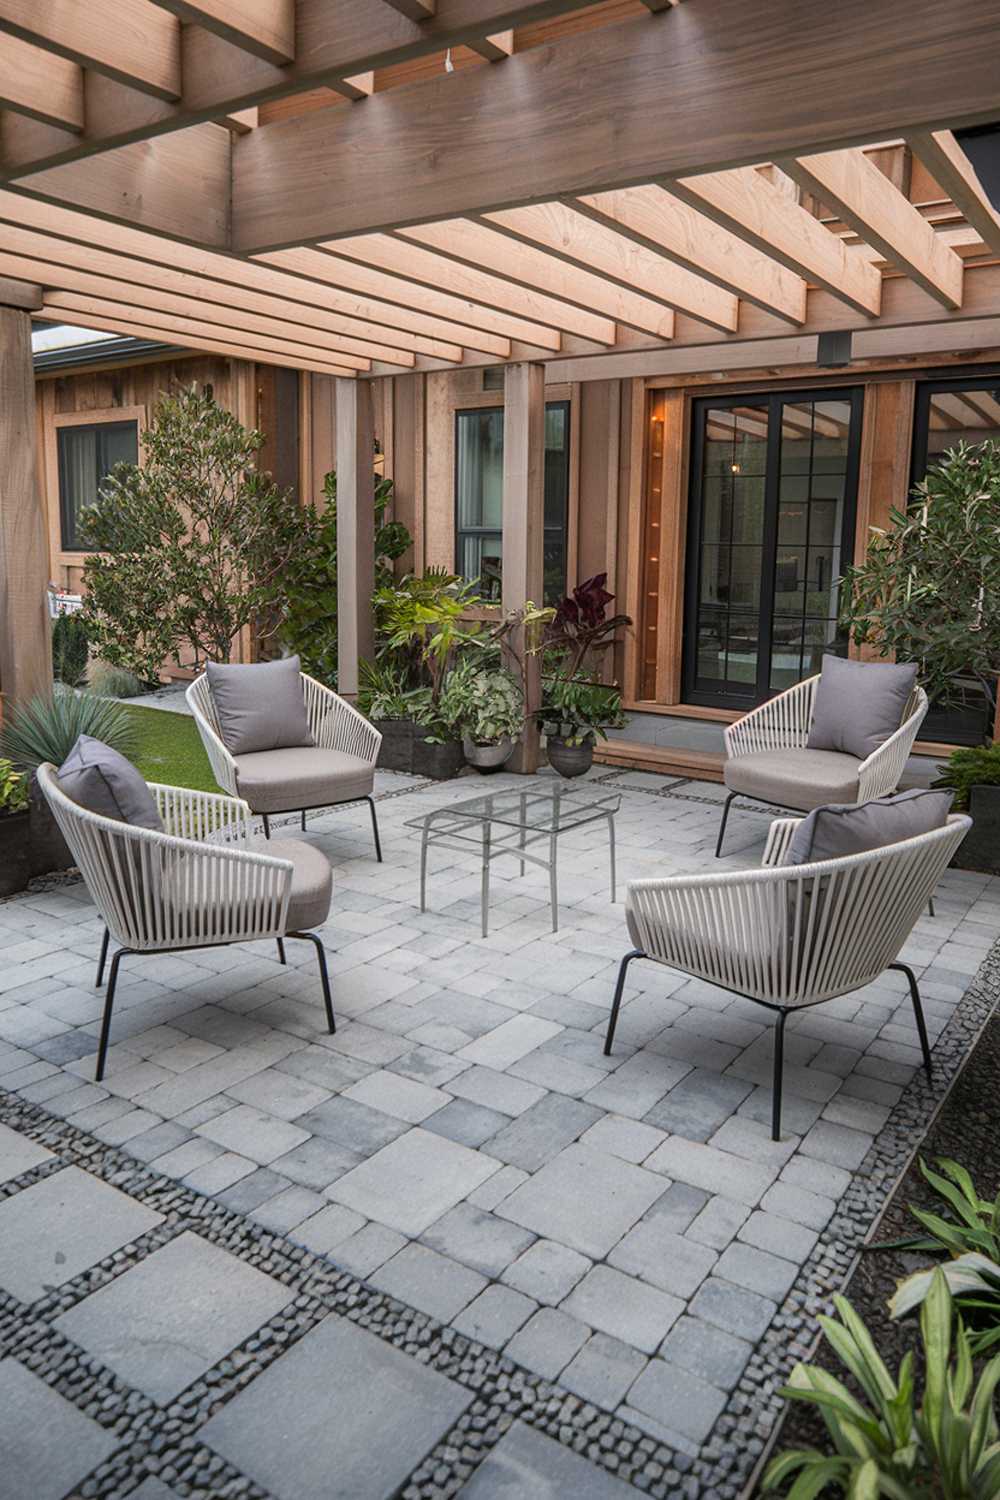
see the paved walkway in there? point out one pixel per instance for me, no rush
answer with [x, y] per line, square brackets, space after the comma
[623, 1227]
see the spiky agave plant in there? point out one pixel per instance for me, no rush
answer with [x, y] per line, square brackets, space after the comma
[946, 1449]
[46, 728]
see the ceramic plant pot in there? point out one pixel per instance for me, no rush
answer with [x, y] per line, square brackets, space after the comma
[569, 760]
[396, 750]
[15, 852]
[490, 757]
[437, 762]
[980, 849]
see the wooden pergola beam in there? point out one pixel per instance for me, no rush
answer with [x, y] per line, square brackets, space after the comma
[705, 92]
[746, 204]
[355, 428]
[476, 245]
[579, 241]
[133, 41]
[25, 635]
[494, 48]
[414, 10]
[851, 184]
[413, 263]
[953, 171]
[264, 27]
[661, 222]
[41, 85]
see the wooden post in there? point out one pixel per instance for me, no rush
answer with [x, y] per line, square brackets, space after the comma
[355, 530]
[25, 633]
[523, 520]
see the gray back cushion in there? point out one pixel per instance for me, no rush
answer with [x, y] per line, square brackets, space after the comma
[260, 707]
[859, 704]
[833, 832]
[104, 782]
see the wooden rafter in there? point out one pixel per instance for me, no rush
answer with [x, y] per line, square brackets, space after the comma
[414, 10]
[569, 236]
[866, 200]
[953, 171]
[752, 208]
[476, 245]
[663, 223]
[496, 47]
[40, 84]
[264, 27]
[133, 41]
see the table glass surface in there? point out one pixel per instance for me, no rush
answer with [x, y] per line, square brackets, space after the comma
[543, 810]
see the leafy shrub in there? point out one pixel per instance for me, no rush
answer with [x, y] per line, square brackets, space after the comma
[13, 789]
[46, 729]
[946, 1449]
[70, 647]
[976, 766]
[485, 705]
[114, 682]
[577, 710]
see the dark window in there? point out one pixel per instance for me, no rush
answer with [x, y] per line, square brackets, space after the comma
[774, 480]
[87, 454]
[958, 410]
[479, 498]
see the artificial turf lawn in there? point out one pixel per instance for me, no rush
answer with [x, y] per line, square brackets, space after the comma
[169, 750]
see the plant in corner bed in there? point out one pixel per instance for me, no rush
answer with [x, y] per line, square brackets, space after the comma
[576, 705]
[15, 856]
[926, 591]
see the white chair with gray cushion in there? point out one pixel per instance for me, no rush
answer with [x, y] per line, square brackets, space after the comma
[282, 741]
[171, 869]
[831, 908]
[840, 737]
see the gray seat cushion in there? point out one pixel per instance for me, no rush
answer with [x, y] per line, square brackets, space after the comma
[859, 704]
[834, 832]
[312, 880]
[103, 781]
[259, 706]
[801, 779]
[307, 776]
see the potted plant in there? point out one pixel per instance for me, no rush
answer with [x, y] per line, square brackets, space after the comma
[486, 706]
[15, 846]
[572, 715]
[576, 705]
[973, 774]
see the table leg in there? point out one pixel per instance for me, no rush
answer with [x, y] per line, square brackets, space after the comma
[611, 850]
[524, 813]
[485, 897]
[553, 892]
[423, 867]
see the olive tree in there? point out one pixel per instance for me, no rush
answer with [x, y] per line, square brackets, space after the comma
[186, 547]
[928, 589]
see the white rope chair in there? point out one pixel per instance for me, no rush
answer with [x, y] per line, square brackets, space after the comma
[791, 936]
[335, 726]
[197, 886]
[783, 723]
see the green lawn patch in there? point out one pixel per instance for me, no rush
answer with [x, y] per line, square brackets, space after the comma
[169, 749]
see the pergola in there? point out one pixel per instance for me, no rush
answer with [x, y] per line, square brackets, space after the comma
[617, 187]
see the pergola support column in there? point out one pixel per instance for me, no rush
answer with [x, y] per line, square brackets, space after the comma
[25, 634]
[523, 520]
[355, 530]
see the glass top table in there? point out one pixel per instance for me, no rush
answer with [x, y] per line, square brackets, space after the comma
[511, 821]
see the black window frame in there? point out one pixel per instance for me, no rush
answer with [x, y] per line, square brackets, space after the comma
[548, 532]
[760, 691]
[69, 541]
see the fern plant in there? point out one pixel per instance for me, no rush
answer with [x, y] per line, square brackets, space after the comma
[945, 1449]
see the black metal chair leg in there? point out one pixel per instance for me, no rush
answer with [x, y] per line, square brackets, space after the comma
[303, 820]
[918, 1011]
[722, 826]
[779, 1067]
[102, 1048]
[378, 842]
[930, 907]
[103, 958]
[281, 951]
[310, 937]
[616, 1004]
[267, 825]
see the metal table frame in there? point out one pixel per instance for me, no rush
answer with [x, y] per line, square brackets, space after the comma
[466, 827]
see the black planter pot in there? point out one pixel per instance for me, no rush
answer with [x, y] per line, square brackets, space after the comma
[49, 850]
[437, 762]
[15, 852]
[396, 750]
[980, 849]
[569, 760]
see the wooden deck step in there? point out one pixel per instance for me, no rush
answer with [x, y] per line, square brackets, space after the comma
[668, 760]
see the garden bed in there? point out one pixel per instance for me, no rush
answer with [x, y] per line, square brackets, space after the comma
[965, 1129]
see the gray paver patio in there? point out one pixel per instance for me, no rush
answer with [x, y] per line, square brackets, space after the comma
[73, 1444]
[465, 1107]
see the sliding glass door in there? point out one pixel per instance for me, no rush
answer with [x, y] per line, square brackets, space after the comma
[774, 481]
